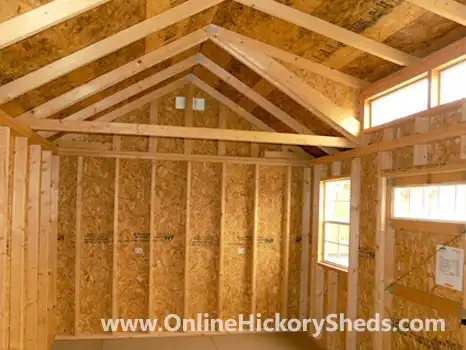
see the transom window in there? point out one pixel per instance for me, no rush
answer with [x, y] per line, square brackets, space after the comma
[442, 202]
[407, 100]
[336, 222]
[453, 83]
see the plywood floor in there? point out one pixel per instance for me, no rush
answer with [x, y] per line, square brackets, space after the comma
[281, 341]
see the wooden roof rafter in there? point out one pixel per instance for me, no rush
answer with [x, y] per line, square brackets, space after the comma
[450, 9]
[296, 88]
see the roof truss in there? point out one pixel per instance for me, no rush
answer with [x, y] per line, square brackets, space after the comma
[451, 9]
[98, 127]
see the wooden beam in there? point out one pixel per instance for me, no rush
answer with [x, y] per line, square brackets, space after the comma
[102, 48]
[352, 296]
[181, 157]
[22, 130]
[297, 89]
[238, 109]
[188, 116]
[96, 127]
[301, 62]
[330, 30]
[258, 99]
[78, 240]
[32, 258]
[153, 119]
[44, 239]
[129, 108]
[5, 163]
[116, 231]
[255, 232]
[305, 234]
[17, 244]
[42, 18]
[221, 258]
[332, 305]
[115, 76]
[130, 91]
[286, 244]
[53, 246]
[187, 240]
[450, 9]
[452, 131]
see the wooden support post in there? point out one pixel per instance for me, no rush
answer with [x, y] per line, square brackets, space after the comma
[383, 253]
[254, 239]
[317, 273]
[116, 147]
[44, 247]
[305, 228]
[286, 245]
[421, 125]
[153, 119]
[53, 247]
[32, 258]
[187, 241]
[352, 299]
[463, 328]
[188, 115]
[221, 257]
[78, 239]
[336, 168]
[463, 147]
[332, 292]
[18, 237]
[5, 150]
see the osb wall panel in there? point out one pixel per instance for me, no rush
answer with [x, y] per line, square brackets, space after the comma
[205, 119]
[272, 187]
[239, 221]
[133, 238]
[204, 238]
[96, 244]
[367, 246]
[169, 115]
[450, 339]
[169, 238]
[66, 246]
[135, 143]
[423, 277]
[294, 263]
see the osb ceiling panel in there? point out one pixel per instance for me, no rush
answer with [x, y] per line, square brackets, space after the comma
[13, 8]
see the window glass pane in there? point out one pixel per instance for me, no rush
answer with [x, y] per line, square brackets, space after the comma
[344, 235]
[331, 252]
[453, 83]
[343, 256]
[416, 196]
[401, 208]
[400, 103]
[431, 202]
[331, 233]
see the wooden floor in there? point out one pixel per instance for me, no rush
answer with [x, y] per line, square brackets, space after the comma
[279, 341]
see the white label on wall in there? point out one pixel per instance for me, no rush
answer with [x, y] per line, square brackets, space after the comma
[241, 251]
[138, 251]
[449, 267]
[180, 102]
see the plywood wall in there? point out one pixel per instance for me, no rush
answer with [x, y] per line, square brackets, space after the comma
[160, 244]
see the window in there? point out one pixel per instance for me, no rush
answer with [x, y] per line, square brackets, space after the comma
[336, 220]
[453, 83]
[400, 103]
[443, 202]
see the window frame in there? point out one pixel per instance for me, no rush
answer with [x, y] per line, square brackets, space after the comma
[321, 242]
[437, 93]
[388, 92]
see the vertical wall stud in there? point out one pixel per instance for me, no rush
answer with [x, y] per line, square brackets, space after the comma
[305, 227]
[332, 291]
[352, 306]
[77, 273]
[116, 147]
[254, 239]
[18, 237]
[5, 150]
[55, 178]
[32, 258]
[221, 257]
[286, 244]
[44, 247]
